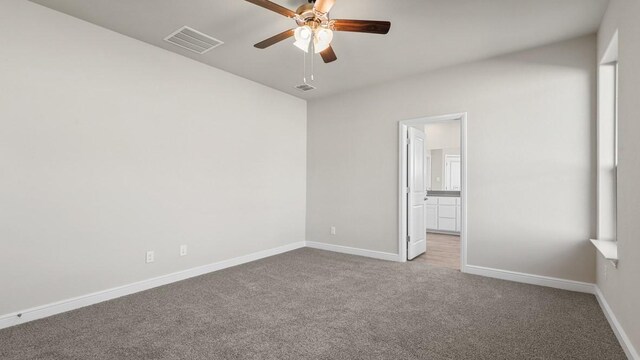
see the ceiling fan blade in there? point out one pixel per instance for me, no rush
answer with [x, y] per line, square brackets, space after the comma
[274, 7]
[328, 55]
[275, 39]
[364, 26]
[324, 6]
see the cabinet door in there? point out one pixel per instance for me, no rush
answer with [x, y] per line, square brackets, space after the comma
[446, 224]
[432, 200]
[458, 218]
[452, 172]
[432, 217]
[447, 211]
[447, 201]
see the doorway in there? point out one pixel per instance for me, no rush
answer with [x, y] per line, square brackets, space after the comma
[433, 190]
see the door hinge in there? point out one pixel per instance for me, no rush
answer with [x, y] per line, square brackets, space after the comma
[408, 142]
[408, 238]
[407, 190]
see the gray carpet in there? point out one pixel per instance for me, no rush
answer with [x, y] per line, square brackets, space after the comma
[312, 304]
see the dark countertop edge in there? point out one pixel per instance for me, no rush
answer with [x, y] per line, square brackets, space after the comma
[443, 193]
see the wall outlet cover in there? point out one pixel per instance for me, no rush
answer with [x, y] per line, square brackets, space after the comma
[150, 257]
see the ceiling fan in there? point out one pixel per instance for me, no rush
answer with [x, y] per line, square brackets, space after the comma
[315, 28]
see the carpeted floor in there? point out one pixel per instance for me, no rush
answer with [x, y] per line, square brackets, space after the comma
[312, 304]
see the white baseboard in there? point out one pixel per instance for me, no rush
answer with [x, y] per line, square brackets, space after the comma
[563, 284]
[624, 340]
[353, 251]
[100, 296]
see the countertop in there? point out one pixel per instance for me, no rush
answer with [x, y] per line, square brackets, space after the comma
[443, 193]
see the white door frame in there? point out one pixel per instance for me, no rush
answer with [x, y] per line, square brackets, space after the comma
[402, 181]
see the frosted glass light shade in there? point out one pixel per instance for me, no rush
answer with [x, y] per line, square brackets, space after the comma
[322, 39]
[303, 36]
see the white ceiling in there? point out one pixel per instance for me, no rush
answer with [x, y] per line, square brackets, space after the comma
[425, 34]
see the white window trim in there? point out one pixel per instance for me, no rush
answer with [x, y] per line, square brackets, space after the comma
[607, 154]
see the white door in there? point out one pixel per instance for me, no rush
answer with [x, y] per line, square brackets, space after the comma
[416, 198]
[452, 172]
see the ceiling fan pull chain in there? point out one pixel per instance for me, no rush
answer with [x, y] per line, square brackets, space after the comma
[304, 67]
[313, 50]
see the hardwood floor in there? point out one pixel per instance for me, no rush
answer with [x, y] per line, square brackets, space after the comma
[442, 250]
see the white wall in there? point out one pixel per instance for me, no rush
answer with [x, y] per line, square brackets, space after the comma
[443, 138]
[443, 135]
[531, 119]
[621, 286]
[110, 147]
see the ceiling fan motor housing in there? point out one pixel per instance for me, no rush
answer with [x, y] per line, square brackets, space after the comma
[307, 15]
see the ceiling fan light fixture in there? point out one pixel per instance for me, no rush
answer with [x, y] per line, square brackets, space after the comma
[302, 45]
[303, 35]
[322, 39]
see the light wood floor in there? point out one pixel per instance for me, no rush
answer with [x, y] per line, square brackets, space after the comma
[442, 250]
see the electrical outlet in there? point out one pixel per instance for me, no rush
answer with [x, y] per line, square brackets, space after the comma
[183, 250]
[150, 257]
[333, 230]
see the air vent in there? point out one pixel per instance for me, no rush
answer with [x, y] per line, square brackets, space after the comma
[193, 40]
[305, 87]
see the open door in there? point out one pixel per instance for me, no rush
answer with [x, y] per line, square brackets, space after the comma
[416, 196]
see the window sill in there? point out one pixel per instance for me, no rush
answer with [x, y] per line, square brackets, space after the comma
[608, 249]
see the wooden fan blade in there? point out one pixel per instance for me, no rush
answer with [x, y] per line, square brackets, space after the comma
[274, 7]
[328, 55]
[275, 39]
[364, 26]
[324, 6]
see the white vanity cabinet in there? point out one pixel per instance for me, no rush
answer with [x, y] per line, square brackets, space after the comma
[458, 215]
[443, 214]
[432, 212]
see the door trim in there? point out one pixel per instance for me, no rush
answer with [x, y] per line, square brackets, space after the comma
[402, 181]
